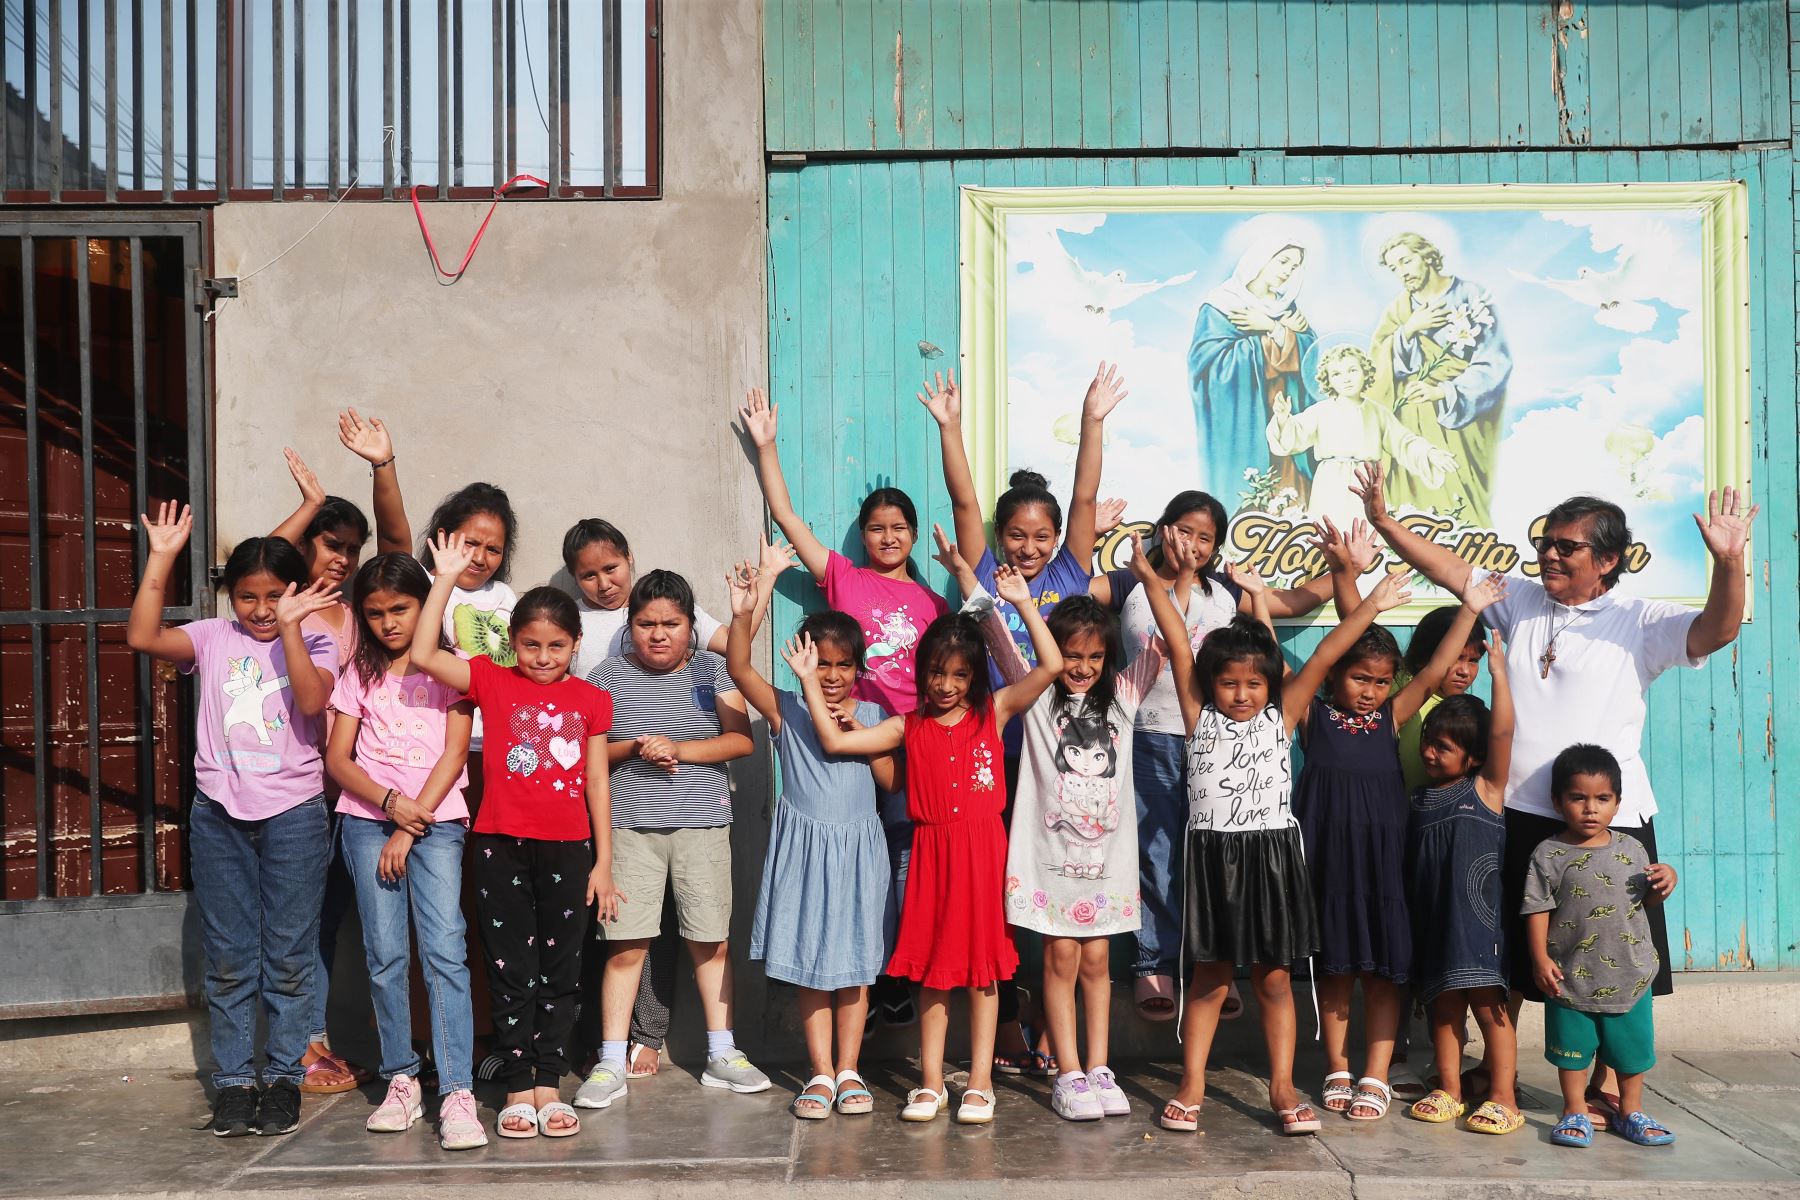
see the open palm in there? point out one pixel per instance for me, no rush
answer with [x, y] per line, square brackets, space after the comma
[1726, 527]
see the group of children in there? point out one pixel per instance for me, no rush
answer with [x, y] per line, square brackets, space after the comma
[1072, 755]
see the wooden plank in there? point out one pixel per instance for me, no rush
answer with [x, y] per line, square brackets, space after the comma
[1271, 75]
[1454, 120]
[1760, 34]
[1540, 89]
[1124, 69]
[1120, 172]
[942, 323]
[847, 468]
[774, 87]
[829, 52]
[1096, 82]
[1632, 25]
[977, 77]
[810, 422]
[1570, 49]
[1603, 73]
[1036, 69]
[862, 73]
[1514, 73]
[786, 317]
[1695, 122]
[1331, 57]
[919, 110]
[1152, 172]
[1393, 92]
[881, 396]
[946, 74]
[1184, 83]
[1154, 59]
[1363, 72]
[1300, 50]
[1065, 76]
[1482, 56]
[1211, 31]
[1421, 63]
[1727, 124]
[1662, 77]
[887, 99]
[797, 74]
[1008, 84]
[1240, 53]
[1358, 169]
[915, 434]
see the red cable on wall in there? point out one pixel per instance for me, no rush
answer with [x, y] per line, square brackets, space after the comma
[499, 195]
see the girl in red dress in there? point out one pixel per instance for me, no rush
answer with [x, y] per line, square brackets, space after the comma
[953, 931]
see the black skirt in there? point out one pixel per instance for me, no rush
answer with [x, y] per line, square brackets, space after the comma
[1247, 899]
[1524, 831]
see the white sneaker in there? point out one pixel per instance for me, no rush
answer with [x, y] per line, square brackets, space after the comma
[1073, 1100]
[399, 1109]
[1113, 1101]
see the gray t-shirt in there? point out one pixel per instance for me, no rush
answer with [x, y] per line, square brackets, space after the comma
[1599, 935]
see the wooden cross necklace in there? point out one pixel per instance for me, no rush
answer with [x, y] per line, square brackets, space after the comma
[1548, 657]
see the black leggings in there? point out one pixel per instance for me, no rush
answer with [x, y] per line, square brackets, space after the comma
[534, 918]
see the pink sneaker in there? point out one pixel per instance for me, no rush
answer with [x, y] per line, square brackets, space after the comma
[459, 1127]
[400, 1109]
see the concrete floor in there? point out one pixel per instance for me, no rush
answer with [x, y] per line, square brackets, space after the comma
[119, 1134]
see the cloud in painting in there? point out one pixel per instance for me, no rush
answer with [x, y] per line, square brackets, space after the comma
[1648, 263]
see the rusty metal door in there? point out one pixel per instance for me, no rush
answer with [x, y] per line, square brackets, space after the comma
[102, 414]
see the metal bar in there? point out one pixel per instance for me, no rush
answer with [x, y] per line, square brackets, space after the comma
[225, 85]
[31, 90]
[56, 89]
[34, 485]
[562, 58]
[387, 98]
[140, 439]
[200, 545]
[355, 83]
[137, 95]
[653, 94]
[443, 99]
[84, 335]
[512, 90]
[456, 67]
[277, 102]
[332, 73]
[84, 118]
[168, 107]
[83, 616]
[496, 79]
[406, 147]
[553, 85]
[111, 40]
[193, 99]
[299, 92]
[6, 109]
[609, 90]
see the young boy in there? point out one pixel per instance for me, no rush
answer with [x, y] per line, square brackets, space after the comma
[1590, 945]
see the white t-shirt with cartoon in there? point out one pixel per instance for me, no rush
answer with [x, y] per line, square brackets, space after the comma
[479, 621]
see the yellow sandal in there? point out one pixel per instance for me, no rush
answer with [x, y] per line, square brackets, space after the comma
[1438, 1107]
[1496, 1119]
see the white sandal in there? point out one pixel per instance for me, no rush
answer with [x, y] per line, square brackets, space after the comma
[853, 1095]
[1342, 1092]
[920, 1108]
[1190, 1117]
[979, 1114]
[816, 1108]
[558, 1109]
[528, 1111]
[1370, 1093]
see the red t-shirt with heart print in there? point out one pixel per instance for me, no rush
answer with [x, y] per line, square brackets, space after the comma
[534, 762]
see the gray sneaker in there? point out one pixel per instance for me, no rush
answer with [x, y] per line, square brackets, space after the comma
[733, 1071]
[604, 1084]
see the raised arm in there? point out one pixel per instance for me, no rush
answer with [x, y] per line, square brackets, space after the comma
[1410, 698]
[292, 529]
[144, 629]
[803, 658]
[1490, 785]
[1256, 592]
[1170, 624]
[942, 400]
[370, 441]
[759, 416]
[309, 682]
[1431, 560]
[1009, 660]
[1726, 531]
[1015, 698]
[1103, 395]
[450, 556]
[1298, 690]
[746, 618]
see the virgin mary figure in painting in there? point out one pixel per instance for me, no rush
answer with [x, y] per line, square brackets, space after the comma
[1249, 342]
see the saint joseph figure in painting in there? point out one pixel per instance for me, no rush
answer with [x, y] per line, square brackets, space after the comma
[1441, 365]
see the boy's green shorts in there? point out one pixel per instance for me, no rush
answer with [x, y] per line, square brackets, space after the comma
[1625, 1041]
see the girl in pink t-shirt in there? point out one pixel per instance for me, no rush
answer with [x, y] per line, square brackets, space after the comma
[885, 597]
[258, 825]
[399, 749]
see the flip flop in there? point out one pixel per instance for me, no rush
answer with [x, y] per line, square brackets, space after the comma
[1437, 1107]
[1189, 1120]
[527, 1111]
[1293, 1124]
[853, 1095]
[1496, 1119]
[1574, 1130]
[558, 1109]
[820, 1106]
[1155, 997]
[330, 1064]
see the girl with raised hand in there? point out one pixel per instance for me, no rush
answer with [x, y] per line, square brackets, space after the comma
[953, 930]
[1248, 898]
[821, 908]
[885, 597]
[398, 750]
[542, 838]
[1351, 804]
[258, 828]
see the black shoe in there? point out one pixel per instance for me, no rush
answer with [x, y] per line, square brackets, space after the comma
[234, 1111]
[280, 1109]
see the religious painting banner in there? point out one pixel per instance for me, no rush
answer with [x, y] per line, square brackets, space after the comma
[1495, 348]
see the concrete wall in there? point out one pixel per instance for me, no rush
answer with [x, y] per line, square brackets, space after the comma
[587, 363]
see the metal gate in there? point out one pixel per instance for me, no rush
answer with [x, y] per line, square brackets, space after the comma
[102, 414]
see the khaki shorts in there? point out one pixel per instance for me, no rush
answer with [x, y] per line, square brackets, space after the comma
[696, 861]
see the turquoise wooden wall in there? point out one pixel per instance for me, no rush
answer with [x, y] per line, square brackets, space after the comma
[863, 240]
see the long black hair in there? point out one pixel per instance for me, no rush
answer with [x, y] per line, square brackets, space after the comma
[1025, 489]
[400, 573]
[454, 510]
[1183, 504]
[275, 555]
[953, 635]
[891, 497]
[1244, 639]
[1084, 614]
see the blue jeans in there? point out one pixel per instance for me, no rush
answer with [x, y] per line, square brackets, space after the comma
[1156, 774]
[430, 894]
[259, 884]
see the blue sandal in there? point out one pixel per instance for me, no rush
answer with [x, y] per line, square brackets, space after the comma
[853, 1096]
[1641, 1129]
[1573, 1130]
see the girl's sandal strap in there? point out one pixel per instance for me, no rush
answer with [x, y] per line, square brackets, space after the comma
[1437, 1107]
[1370, 1093]
[1495, 1119]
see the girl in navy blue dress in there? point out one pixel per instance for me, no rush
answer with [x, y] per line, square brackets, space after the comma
[1351, 803]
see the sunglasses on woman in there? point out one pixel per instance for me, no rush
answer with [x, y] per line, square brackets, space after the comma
[1564, 547]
